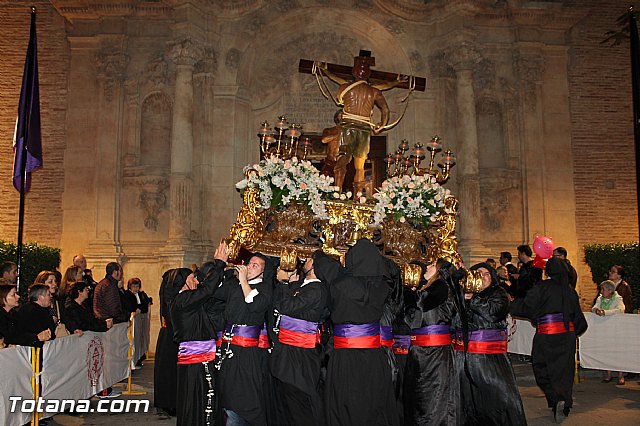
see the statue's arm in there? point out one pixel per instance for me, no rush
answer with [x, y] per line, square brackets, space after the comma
[391, 84]
[332, 76]
[381, 103]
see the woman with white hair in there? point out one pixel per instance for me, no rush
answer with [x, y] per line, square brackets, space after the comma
[609, 303]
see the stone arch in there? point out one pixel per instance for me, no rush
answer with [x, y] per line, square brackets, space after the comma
[155, 130]
[491, 134]
[269, 69]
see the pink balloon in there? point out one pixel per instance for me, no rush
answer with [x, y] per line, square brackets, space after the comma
[543, 246]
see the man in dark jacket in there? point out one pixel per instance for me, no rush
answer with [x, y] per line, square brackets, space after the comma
[106, 300]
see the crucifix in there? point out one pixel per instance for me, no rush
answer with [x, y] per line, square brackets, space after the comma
[359, 94]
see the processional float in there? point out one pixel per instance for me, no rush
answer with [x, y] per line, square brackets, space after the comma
[290, 209]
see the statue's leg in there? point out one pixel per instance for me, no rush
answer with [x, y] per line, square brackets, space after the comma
[340, 169]
[358, 179]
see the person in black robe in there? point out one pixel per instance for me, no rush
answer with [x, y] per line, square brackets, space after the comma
[488, 389]
[297, 356]
[393, 307]
[554, 307]
[246, 298]
[431, 390]
[196, 338]
[359, 389]
[166, 358]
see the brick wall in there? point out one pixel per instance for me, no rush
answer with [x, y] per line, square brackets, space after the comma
[602, 133]
[43, 214]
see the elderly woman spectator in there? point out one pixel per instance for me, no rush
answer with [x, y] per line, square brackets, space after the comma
[13, 335]
[72, 275]
[34, 316]
[609, 303]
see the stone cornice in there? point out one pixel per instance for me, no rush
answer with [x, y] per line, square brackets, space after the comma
[96, 9]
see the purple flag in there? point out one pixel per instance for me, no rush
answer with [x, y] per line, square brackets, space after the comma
[27, 145]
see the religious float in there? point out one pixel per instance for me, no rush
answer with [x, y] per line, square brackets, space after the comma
[292, 208]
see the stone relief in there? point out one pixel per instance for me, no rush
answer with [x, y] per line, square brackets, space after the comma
[209, 62]
[156, 71]
[491, 134]
[232, 59]
[394, 27]
[499, 194]
[462, 55]
[529, 69]
[417, 61]
[484, 76]
[186, 52]
[276, 70]
[152, 203]
[236, 8]
[111, 65]
[439, 67]
[151, 198]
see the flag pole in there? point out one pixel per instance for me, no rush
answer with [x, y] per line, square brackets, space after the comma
[635, 84]
[23, 167]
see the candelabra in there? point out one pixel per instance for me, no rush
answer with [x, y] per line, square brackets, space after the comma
[282, 140]
[399, 165]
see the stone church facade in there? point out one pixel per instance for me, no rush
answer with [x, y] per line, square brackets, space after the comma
[151, 108]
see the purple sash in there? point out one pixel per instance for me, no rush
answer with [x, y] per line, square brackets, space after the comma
[196, 351]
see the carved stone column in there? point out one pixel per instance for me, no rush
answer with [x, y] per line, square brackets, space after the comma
[185, 55]
[530, 68]
[111, 63]
[462, 58]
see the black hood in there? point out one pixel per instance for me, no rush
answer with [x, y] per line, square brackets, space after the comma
[485, 265]
[364, 260]
[327, 269]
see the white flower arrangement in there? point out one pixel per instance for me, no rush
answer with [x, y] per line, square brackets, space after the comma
[416, 199]
[282, 181]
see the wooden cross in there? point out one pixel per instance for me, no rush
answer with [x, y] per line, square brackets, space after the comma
[344, 71]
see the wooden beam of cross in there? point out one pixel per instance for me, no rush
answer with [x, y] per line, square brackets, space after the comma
[344, 71]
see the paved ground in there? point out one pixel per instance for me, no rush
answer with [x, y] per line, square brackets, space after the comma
[595, 403]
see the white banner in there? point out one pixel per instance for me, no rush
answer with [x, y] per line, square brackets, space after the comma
[141, 336]
[15, 380]
[521, 334]
[79, 367]
[610, 343]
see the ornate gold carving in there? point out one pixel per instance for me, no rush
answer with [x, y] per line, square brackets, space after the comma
[294, 227]
[249, 227]
[445, 243]
[472, 282]
[288, 259]
[411, 275]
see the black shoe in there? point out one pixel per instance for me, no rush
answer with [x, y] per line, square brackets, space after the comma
[558, 412]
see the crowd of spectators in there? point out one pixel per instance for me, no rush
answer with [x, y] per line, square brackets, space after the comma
[59, 305]
[614, 293]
